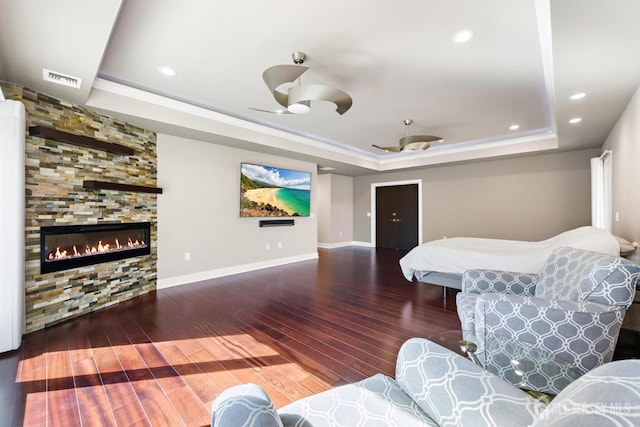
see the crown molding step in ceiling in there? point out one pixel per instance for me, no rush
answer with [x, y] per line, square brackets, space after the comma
[493, 78]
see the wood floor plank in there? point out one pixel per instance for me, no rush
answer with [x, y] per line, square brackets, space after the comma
[93, 403]
[30, 408]
[190, 372]
[241, 364]
[122, 398]
[191, 410]
[158, 408]
[62, 399]
[271, 365]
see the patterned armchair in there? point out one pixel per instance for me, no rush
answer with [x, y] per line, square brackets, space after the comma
[570, 313]
[436, 387]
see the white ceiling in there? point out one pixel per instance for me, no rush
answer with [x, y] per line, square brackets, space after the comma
[397, 60]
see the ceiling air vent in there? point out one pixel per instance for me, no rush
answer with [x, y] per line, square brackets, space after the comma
[61, 79]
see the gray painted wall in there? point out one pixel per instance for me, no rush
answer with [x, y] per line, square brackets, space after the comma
[324, 208]
[624, 141]
[342, 208]
[527, 198]
[198, 213]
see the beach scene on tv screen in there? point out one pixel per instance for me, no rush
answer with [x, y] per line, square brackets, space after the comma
[268, 191]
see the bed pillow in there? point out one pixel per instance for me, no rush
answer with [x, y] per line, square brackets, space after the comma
[626, 247]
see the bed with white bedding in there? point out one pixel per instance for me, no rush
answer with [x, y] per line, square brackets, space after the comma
[443, 261]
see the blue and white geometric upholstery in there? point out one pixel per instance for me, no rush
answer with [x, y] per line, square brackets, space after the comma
[453, 391]
[377, 401]
[571, 312]
[436, 387]
[607, 396]
[245, 405]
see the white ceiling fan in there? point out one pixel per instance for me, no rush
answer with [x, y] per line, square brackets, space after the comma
[412, 142]
[296, 98]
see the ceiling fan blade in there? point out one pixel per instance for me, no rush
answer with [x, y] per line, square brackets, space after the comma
[278, 112]
[419, 138]
[280, 74]
[391, 149]
[298, 94]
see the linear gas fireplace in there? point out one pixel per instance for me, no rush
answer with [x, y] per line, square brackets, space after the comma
[73, 246]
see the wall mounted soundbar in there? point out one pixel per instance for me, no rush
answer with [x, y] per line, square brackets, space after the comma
[275, 222]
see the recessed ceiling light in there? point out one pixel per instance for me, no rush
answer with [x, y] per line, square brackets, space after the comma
[575, 120]
[326, 168]
[577, 96]
[167, 71]
[463, 36]
[514, 127]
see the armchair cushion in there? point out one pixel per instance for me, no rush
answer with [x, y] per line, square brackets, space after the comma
[581, 335]
[606, 396]
[453, 390]
[377, 401]
[477, 282]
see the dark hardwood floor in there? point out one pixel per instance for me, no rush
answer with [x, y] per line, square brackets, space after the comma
[161, 359]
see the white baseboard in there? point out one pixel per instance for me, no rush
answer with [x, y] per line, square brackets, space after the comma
[365, 244]
[333, 245]
[227, 271]
[343, 244]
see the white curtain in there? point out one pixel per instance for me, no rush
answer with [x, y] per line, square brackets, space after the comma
[601, 190]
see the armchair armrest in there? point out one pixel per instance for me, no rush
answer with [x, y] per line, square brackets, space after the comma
[493, 281]
[452, 390]
[244, 405]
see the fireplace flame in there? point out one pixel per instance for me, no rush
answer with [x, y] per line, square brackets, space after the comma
[61, 253]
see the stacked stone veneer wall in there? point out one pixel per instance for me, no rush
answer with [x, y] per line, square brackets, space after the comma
[54, 196]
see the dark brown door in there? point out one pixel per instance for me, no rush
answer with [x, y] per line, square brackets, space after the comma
[397, 216]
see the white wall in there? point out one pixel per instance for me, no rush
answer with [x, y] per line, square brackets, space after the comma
[624, 142]
[198, 213]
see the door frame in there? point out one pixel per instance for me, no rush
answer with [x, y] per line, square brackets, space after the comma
[373, 205]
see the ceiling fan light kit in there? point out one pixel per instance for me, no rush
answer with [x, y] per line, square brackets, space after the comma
[301, 107]
[297, 99]
[412, 142]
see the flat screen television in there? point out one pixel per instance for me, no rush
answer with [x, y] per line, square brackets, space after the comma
[266, 191]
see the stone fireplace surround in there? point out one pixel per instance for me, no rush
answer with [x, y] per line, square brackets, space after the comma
[54, 176]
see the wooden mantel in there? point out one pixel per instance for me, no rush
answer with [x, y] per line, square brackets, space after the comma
[103, 185]
[81, 140]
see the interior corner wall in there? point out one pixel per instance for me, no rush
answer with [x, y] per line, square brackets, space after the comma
[524, 198]
[335, 210]
[341, 209]
[624, 142]
[324, 209]
[198, 214]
